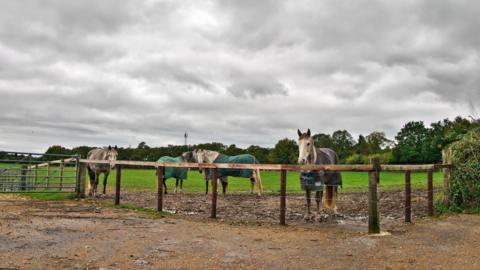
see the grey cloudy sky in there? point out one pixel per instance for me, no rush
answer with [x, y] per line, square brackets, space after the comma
[245, 72]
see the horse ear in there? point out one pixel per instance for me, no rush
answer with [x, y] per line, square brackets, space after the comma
[109, 147]
[308, 132]
[115, 147]
[299, 133]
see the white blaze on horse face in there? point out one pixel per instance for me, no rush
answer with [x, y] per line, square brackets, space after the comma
[305, 150]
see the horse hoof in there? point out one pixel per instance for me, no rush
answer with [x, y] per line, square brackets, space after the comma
[307, 217]
[321, 218]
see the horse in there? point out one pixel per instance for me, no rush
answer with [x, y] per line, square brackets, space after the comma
[311, 155]
[174, 172]
[94, 170]
[208, 156]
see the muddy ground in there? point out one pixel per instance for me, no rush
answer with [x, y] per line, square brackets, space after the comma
[244, 208]
[88, 235]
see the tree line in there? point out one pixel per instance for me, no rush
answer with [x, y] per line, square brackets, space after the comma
[415, 143]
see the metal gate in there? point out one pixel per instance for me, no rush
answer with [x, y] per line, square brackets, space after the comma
[31, 172]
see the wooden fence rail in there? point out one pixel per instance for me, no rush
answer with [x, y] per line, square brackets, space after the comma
[270, 167]
[373, 170]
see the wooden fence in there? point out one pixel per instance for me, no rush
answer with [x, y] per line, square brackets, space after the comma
[373, 170]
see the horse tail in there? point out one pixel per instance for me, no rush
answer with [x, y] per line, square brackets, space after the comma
[328, 201]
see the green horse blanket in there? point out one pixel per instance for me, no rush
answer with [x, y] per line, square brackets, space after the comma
[239, 159]
[174, 172]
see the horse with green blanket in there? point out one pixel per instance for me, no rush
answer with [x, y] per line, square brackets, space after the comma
[178, 173]
[208, 156]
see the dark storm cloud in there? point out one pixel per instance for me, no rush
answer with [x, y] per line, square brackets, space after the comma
[243, 72]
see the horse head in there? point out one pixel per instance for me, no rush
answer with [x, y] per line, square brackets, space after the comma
[306, 148]
[111, 154]
[187, 156]
[199, 155]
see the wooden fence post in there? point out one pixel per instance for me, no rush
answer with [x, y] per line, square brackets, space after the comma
[283, 195]
[160, 174]
[373, 212]
[81, 180]
[23, 178]
[430, 192]
[214, 193]
[408, 197]
[118, 183]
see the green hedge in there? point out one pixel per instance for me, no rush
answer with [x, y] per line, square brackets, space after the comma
[465, 177]
[385, 158]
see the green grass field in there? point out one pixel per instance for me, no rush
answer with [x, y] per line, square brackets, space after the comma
[145, 179]
[352, 181]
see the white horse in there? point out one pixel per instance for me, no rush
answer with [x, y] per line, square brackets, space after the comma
[94, 170]
[208, 156]
[310, 155]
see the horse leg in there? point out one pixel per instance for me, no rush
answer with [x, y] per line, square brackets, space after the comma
[318, 200]
[165, 186]
[224, 184]
[308, 213]
[252, 183]
[95, 185]
[181, 185]
[176, 185]
[91, 174]
[105, 176]
[206, 186]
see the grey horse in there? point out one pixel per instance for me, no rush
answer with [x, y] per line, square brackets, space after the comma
[311, 155]
[94, 170]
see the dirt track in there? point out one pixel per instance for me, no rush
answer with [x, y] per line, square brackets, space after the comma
[79, 235]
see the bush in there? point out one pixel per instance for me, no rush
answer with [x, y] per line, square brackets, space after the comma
[385, 158]
[355, 159]
[464, 155]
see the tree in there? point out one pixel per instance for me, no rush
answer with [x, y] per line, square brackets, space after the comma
[343, 143]
[284, 152]
[377, 141]
[233, 150]
[214, 146]
[143, 145]
[259, 152]
[81, 150]
[362, 146]
[57, 150]
[411, 143]
[323, 140]
[445, 132]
